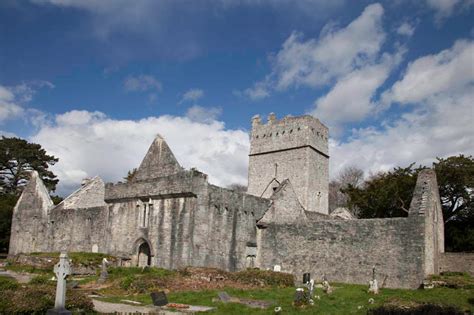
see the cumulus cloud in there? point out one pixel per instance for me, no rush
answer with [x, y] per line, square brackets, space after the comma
[440, 87]
[449, 71]
[14, 98]
[443, 129]
[257, 92]
[445, 8]
[317, 62]
[8, 108]
[351, 98]
[90, 143]
[201, 114]
[192, 95]
[141, 83]
[406, 29]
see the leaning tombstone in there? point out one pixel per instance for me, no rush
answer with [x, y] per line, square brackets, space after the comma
[159, 298]
[326, 286]
[62, 269]
[103, 272]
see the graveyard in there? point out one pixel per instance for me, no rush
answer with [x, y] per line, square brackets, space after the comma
[28, 285]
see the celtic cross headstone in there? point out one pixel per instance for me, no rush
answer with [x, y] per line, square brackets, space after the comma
[62, 270]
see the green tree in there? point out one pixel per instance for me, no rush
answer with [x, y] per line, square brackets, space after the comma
[7, 202]
[456, 186]
[388, 194]
[17, 158]
[130, 175]
[384, 195]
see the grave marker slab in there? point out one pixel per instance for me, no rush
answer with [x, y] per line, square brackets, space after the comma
[159, 298]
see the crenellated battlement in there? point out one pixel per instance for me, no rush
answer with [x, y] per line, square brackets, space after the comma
[287, 133]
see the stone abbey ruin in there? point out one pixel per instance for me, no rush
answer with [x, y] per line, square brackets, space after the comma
[170, 217]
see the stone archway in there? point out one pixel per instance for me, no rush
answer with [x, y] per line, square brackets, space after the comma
[144, 255]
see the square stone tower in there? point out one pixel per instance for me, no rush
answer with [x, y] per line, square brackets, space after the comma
[294, 148]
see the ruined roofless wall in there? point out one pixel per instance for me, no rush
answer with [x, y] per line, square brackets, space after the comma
[346, 251]
[404, 250]
[294, 148]
[189, 223]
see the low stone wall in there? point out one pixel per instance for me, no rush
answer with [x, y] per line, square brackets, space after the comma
[457, 262]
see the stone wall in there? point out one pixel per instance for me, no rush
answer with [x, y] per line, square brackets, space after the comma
[30, 217]
[293, 148]
[403, 250]
[346, 251]
[457, 262]
[184, 220]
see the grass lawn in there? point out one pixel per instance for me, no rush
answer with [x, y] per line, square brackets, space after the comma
[136, 284]
[346, 299]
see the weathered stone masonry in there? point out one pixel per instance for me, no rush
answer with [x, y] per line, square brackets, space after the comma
[170, 217]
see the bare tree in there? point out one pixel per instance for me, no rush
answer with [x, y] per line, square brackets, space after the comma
[350, 175]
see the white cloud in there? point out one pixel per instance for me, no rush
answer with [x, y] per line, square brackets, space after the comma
[445, 8]
[439, 125]
[8, 107]
[449, 71]
[406, 29]
[192, 95]
[257, 92]
[351, 98]
[141, 83]
[90, 143]
[14, 98]
[201, 114]
[442, 130]
[319, 62]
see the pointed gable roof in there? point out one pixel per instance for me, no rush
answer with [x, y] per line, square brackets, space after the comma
[285, 207]
[90, 195]
[35, 196]
[159, 161]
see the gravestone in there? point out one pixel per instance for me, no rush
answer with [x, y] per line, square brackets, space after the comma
[277, 268]
[159, 298]
[103, 272]
[327, 287]
[373, 284]
[306, 277]
[62, 270]
[300, 297]
[224, 297]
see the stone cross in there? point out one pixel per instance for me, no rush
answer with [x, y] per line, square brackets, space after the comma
[62, 269]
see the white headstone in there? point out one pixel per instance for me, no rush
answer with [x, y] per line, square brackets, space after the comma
[277, 268]
[95, 248]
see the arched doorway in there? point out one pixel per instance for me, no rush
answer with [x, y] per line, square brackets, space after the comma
[144, 255]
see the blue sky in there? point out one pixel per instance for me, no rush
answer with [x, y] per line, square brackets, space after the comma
[94, 81]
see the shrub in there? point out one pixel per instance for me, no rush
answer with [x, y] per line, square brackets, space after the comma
[423, 309]
[38, 299]
[7, 283]
[41, 279]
